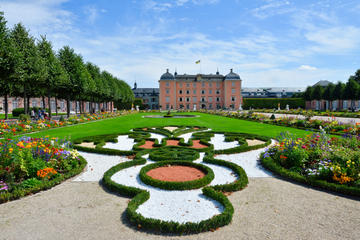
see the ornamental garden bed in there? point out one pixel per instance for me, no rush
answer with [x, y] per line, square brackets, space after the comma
[331, 127]
[29, 165]
[164, 202]
[318, 160]
[21, 127]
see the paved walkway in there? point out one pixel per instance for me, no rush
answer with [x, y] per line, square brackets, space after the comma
[268, 208]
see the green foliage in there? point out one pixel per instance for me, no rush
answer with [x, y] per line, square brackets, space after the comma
[16, 112]
[272, 103]
[24, 118]
[186, 185]
[174, 153]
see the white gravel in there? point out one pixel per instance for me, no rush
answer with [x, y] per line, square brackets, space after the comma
[98, 164]
[178, 206]
[249, 161]
[186, 136]
[219, 142]
[124, 143]
[157, 136]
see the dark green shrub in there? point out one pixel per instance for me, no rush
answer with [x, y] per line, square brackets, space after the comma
[24, 118]
[271, 103]
[174, 153]
[17, 111]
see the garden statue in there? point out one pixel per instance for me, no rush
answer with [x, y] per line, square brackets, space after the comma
[137, 107]
[287, 107]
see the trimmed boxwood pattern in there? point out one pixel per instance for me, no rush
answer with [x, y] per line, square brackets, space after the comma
[273, 166]
[186, 185]
[174, 153]
[18, 193]
[215, 192]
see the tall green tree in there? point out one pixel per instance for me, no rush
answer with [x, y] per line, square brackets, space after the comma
[31, 72]
[317, 93]
[308, 93]
[351, 91]
[8, 63]
[356, 76]
[56, 75]
[339, 92]
[328, 94]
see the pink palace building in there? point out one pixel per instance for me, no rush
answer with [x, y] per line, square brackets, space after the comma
[201, 91]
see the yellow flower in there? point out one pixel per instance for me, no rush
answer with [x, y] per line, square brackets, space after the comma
[11, 150]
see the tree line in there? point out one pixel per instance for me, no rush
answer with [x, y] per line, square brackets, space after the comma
[340, 91]
[30, 67]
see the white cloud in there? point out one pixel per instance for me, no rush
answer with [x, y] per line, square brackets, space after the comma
[271, 8]
[93, 13]
[307, 68]
[336, 40]
[40, 16]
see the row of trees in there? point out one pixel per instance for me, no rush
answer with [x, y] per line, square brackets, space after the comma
[340, 91]
[31, 68]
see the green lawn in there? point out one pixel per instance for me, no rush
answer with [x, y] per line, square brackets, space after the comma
[125, 123]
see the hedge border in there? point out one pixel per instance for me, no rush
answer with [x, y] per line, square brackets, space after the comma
[274, 167]
[140, 196]
[45, 185]
[156, 156]
[185, 185]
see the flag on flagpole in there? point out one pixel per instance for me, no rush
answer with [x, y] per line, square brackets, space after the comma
[197, 62]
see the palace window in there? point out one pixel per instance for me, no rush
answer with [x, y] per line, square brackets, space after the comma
[187, 106]
[233, 91]
[210, 91]
[188, 85]
[180, 84]
[217, 84]
[188, 99]
[194, 85]
[210, 106]
[218, 91]
[203, 99]
[233, 99]
[210, 84]
[194, 91]
[202, 91]
[167, 106]
[167, 84]
[210, 99]
[180, 99]
[180, 92]
[187, 91]
[167, 99]
[203, 84]
[218, 99]
[233, 84]
[34, 103]
[15, 103]
[167, 91]
[194, 99]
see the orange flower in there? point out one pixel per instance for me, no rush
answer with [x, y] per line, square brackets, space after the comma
[283, 157]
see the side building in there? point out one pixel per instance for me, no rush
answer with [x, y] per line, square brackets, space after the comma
[150, 96]
[201, 91]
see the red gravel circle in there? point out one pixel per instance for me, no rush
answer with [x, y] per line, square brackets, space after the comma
[176, 173]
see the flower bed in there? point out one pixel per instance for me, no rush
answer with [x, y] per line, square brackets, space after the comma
[319, 160]
[332, 127]
[28, 165]
[19, 127]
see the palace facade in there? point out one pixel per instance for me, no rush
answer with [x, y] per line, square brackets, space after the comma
[201, 91]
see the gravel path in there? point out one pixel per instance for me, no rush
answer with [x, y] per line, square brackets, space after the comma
[124, 143]
[218, 140]
[268, 208]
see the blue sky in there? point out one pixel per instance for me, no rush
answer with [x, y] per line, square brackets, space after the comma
[268, 42]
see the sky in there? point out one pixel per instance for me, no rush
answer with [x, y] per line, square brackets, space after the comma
[269, 43]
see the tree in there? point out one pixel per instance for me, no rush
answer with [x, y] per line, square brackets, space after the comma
[8, 63]
[31, 72]
[328, 94]
[356, 77]
[351, 91]
[317, 93]
[339, 92]
[308, 93]
[73, 65]
[56, 75]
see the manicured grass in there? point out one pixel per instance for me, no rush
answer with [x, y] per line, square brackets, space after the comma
[125, 123]
[2, 115]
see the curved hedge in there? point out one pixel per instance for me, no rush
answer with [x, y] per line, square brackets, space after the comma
[186, 185]
[174, 153]
[18, 193]
[273, 166]
[140, 196]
